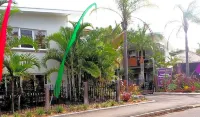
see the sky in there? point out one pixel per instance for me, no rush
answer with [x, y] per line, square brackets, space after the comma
[156, 17]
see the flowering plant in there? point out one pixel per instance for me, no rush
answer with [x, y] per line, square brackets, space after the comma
[126, 96]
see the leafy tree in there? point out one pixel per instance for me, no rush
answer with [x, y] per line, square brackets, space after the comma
[92, 55]
[126, 9]
[17, 64]
[141, 41]
[188, 15]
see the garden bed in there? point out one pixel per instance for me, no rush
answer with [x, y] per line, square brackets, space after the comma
[65, 109]
[176, 93]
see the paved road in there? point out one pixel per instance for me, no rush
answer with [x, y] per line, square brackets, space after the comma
[162, 102]
[188, 113]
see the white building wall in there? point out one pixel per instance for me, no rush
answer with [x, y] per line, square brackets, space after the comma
[40, 21]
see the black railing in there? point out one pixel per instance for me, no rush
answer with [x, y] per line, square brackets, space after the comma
[101, 91]
[70, 94]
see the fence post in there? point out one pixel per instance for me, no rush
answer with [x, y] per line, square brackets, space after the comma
[86, 101]
[118, 90]
[47, 97]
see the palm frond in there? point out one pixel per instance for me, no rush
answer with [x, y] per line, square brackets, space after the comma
[171, 22]
[195, 19]
[7, 65]
[50, 71]
[52, 54]
[3, 2]
[91, 68]
[107, 9]
[180, 8]
[30, 59]
[60, 39]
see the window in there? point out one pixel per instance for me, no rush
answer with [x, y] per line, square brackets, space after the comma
[27, 33]
[36, 35]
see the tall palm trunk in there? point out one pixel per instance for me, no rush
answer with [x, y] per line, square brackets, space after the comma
[124, 26]
[142, 68]
[186, 55]
[13, 86]
[67, 82]
[72, 73]
[186, 46]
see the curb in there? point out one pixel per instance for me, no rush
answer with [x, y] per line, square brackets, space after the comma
[166, 111]
[171, 93]
[93, 110]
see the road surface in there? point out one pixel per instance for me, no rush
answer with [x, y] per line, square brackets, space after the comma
[188, 113]
[162, 102]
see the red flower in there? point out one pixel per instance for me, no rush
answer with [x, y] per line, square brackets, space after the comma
[193, 88]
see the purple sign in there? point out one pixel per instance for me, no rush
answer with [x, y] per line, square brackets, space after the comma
[162, 74]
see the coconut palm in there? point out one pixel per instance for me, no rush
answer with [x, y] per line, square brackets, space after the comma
[126, 9]
[62, 38]
[92, 55]
[189, 15]
[17, 65]
[141, 41]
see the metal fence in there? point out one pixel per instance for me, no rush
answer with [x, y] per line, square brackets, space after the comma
[101, 91]
[70, 94]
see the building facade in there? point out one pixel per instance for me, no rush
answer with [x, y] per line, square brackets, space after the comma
[35, 23]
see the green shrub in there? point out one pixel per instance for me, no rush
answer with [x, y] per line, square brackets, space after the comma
[40, 111]
[104, 105]
[48, 112]
[197, 85]
[59, 109]
[97, 106]
[82, 107]
[85, 106]
[72, 108]
[29, 114]
[4, 115]
[121, 103]
[111, 103]
[16, 115]
[172, 87]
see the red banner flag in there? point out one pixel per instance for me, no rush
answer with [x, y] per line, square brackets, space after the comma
[3, 36]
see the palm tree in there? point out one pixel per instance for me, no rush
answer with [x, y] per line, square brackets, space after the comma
[3, 2]
[92, 55]
[188, 15]
[18, 64]
[75, 59]
[126, 9]
[141, 42]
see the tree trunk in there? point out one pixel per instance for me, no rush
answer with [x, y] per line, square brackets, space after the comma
[67, 82]
[70, 88]
[124, 26]
[142, 69]
[73, 79]
[79, 81]
[13, 86]
[186, 55]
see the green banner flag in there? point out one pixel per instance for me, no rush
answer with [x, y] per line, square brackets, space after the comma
[70, 44]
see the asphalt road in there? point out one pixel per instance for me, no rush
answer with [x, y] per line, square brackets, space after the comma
[188, 113]
[162, 102]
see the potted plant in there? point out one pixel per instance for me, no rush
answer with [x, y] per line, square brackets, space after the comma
[40, 39]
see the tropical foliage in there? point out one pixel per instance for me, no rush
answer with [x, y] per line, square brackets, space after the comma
[17, 64]
[92, 56]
